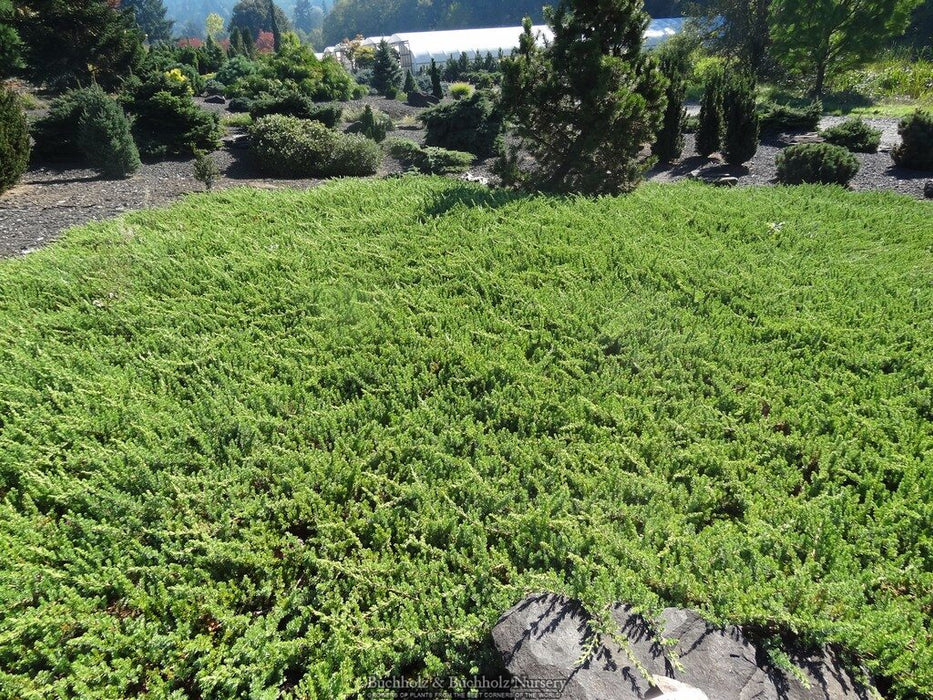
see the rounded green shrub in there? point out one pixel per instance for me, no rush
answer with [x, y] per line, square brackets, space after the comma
[103, 135]
[916, 148]
[90, 126]
[14, 139]
[817, 163]
[782, 118]
[235, 68]
[855, 135]
[169, 124]
[295, 104]
[471, 124]
[292, 147]
[460, 90]
[430, 160]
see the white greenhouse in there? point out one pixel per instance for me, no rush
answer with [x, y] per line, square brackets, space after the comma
[416, 49]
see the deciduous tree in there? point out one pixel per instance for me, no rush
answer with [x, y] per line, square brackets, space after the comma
[818, 38]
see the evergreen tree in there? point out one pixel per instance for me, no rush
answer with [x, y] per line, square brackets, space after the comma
[249, 43]
[78, 42]
[212, 56]
[256, 16]
[150, 16]
[10, 44]
[387, 73]
[709, 133]
[307, 16]
[14, 139]
[742, 122]
[409, 83]
[276, 32]
[585, 104]
[669, 143]
[739, 29]
[103, 135]
[436, 88]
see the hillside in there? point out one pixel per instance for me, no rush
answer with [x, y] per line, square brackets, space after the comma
[267, 442]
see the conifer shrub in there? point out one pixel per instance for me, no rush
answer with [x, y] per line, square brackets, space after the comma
[855, 135]
[103, 135]
[14, 139]
[214, 87]
[669, 142]
[235, 68]
[409, 85]
[460, 90]
[205, 169]
[292, 147]
[295, 104]
[916, 148]
[54, 133]
[742, 124]
[472, 124]
[387, 73]
[712, 124]
[777, 118]
[437, 89]
[171, 125]
[166, 120]
[89, 126]
[430, 160]
[373, 124]
[816, 163]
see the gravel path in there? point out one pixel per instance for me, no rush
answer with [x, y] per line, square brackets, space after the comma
[51, 199]
[876, 172]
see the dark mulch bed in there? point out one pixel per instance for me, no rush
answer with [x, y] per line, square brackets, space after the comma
[53, 197]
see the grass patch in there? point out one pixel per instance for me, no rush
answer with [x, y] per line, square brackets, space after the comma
[276, 442]
[242, 120]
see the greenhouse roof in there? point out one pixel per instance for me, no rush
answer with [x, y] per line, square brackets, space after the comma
[418, 48]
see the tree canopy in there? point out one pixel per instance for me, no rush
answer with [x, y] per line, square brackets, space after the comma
[78, 42]
[817, 38]
[254, 17]
[150, 16]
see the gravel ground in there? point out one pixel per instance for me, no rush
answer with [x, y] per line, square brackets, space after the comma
[876, 172]
[51, 199]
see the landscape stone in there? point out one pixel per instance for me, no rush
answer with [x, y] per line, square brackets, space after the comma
[541, 638]
[216, 100]
[421, 99]
[928, 189]
[728, 181]
[813, 137]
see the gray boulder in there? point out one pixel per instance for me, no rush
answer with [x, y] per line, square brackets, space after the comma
[542, 638]
[421, 99]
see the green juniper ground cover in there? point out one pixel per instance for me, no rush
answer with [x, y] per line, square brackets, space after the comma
[275, 443]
